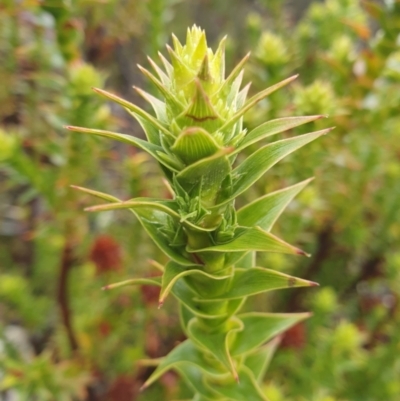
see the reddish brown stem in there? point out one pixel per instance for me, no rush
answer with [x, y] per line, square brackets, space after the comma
[67, 261]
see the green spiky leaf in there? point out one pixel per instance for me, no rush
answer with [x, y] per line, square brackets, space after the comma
[253, 239]
[261, 327]
[174, 272]
[258, 361]
[273, 127]
[256, 280]
[216, 343]
[246, 389]
[248, 172]
[264, 211]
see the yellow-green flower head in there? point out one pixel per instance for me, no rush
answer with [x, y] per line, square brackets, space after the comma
[195, 89]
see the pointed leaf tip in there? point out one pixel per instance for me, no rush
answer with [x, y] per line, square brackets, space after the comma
[302, 253]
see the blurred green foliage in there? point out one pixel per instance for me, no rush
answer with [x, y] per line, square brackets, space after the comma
[76, 342]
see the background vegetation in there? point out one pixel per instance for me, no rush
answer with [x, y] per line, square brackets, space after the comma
[61, 337]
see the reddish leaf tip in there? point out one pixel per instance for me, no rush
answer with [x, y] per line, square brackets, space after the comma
[302, 253]
[329, 130]
[105, 288]
[314, 284]
[160, 303]
[143, 387]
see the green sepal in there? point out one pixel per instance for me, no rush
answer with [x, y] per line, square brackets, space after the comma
[135, 110]
[258, 360]
[217, 343]
[273, 127]
[261, 327]
[248, 172]
[264, 211]
[256, 280]
[194, 144]
[184, 354]
[253, 239]
[174, 271]
[152, 149]
[246, 389]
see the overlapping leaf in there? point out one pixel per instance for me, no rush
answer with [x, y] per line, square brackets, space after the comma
[252, 239]
[248, 172]
[174, 272]
[261, 327]
[264, 211]
[256, 280]
[259, 360]
[246, 389]
[184, 354]
[217, 343]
